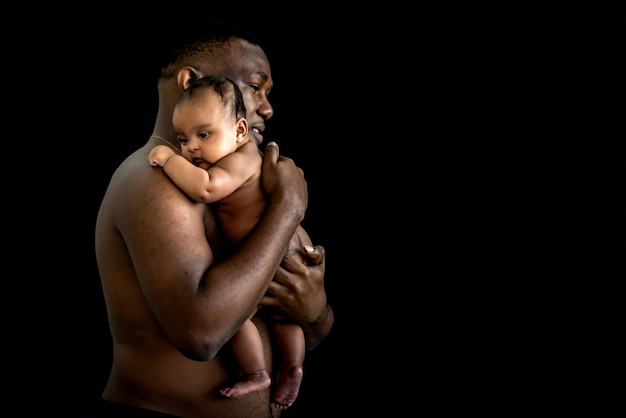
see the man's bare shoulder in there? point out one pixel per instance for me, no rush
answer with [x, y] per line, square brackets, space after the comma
[135, 178]
[139, 190]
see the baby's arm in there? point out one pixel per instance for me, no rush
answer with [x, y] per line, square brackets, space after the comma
[202, 185]
[185, 175]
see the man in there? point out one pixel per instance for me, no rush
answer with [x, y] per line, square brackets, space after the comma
[174, 295]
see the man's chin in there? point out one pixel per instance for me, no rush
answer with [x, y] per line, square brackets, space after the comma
[256, 137]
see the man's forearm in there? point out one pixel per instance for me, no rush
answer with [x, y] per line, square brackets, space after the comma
[315, 332]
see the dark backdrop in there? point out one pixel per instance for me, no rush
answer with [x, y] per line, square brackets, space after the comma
[408, 122]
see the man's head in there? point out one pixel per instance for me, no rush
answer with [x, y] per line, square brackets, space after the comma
[213, 47]
[202, 39]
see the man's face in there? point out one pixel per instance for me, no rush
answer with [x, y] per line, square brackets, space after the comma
[247, 65]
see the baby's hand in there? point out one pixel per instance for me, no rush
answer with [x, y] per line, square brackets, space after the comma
[159, 155]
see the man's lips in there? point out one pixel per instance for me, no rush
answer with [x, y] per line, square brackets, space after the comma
[256, 133]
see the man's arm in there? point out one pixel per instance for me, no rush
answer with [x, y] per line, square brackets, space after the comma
[200, 303]
[297, 290]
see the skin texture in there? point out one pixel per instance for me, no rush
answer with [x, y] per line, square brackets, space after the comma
[173, 298]
[219, 164]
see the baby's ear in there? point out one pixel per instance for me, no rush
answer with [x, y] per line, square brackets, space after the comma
[242, 130]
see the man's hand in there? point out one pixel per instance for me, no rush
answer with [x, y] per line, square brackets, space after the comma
[297, 290]
[283, 181]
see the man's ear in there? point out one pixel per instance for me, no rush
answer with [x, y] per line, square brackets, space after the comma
[186, 76]
[242, 130]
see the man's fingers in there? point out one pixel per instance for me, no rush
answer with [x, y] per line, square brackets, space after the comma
[315, 254]
[271, 152]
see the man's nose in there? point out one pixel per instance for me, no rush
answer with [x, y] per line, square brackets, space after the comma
[265, 110]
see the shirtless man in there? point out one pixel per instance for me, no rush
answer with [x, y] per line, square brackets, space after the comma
[173, 297]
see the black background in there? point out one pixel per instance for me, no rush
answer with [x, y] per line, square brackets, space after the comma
[412, 127]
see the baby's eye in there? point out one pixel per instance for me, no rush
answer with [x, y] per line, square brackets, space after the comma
[183, 141]
[203, 135]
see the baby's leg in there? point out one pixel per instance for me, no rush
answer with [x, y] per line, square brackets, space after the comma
[289, 339]
[248, 351]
